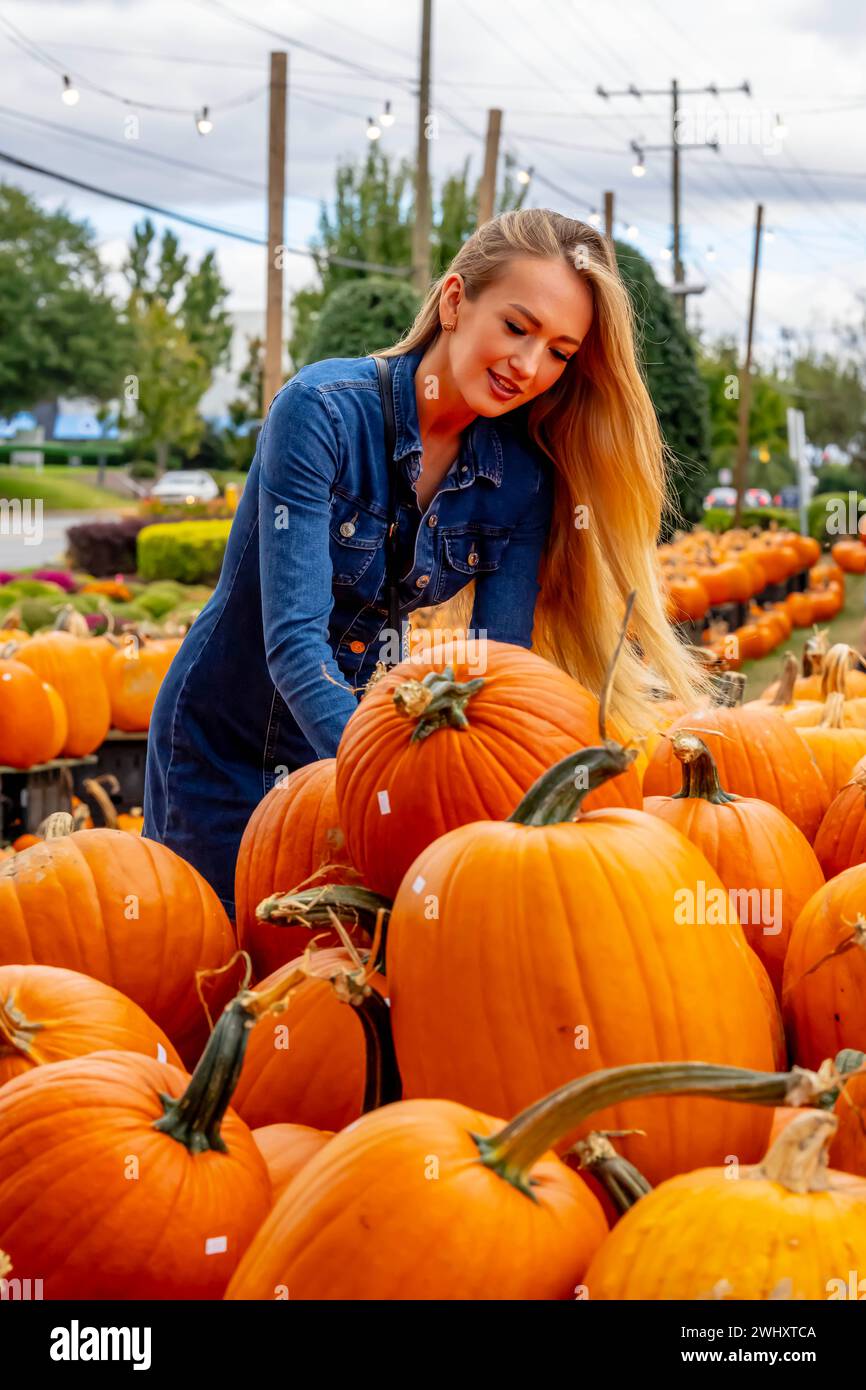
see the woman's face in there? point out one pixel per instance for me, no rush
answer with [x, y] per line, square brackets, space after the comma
[520, 332]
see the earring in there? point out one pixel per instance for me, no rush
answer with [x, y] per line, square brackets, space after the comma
[449, 327]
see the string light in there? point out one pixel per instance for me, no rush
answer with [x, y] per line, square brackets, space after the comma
[594, 218]
[386, 118]
[665, 254]
[373, 131]
[632, 232]
[524, 175]
[780, 130]
[203, 122]
[70, 96]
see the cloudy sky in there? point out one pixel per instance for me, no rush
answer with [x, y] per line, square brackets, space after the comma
[540, 63]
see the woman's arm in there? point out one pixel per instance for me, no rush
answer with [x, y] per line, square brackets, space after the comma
[504, 602]
[299, 462]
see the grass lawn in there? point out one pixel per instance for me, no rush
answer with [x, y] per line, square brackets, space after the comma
[61, 488]
[845, 627]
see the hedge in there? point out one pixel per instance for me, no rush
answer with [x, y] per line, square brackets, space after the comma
[104, 548]
[820, 512]
[720, 519]
[189, 551]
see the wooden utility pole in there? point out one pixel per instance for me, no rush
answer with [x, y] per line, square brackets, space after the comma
[421, 229]
[679, 273]
[273, 373]
[746, 383]
[487, 190]
[608, 216]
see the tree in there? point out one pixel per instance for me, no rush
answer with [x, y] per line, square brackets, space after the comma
[372, 221]
[831, 395]
[180, 313]
[60, 331]
[362, 317]
[769, 465]
[678, 391]
[247, 408]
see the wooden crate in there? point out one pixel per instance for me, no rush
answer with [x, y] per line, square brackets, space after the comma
[124, 755]
[28, 795]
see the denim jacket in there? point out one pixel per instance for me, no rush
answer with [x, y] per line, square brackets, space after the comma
[302, 587]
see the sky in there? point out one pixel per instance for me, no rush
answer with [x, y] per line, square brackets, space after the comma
[541, 64]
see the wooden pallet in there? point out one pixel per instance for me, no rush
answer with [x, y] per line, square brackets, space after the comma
[29, 794]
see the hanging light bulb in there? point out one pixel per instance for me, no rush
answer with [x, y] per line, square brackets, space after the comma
[524, 175]
[665, 254]
[770, 235]
[711, 255]
[386, 118]
[632, 232]
[203, 123]
[780, 130]
[638, 168]
[70, 95]
[594, 218]
[373, 131]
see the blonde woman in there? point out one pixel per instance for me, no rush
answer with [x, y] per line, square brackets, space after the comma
[527, 463]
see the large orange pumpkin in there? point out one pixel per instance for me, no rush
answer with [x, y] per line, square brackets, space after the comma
[522, 953]
[757, 754]
[127, 911]
[48, 1015]
[121, 1177]
[133, 675]
[824, 985]
[292, 833]
[424, 753]
[760, 856]
[841, 839]
[69, 664]
[285, 1149]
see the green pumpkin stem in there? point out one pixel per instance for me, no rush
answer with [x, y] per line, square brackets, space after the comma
[700, 774]
[436, 702]
[194, 1118]
[512, 1152]
[383, 1083]
[558, 793]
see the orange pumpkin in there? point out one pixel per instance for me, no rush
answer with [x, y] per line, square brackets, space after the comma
[406, 776]
[850, 556]
[618, 971]
[48, 1015]
[27, 727]
[69, 664]
[824, 984]
[292, 833]
[762, 859]
[841, 839]
[127, 911]
[286, 1149]
[757, 754]
[133, 675]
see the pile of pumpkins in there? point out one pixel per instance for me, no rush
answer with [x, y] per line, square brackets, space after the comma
[62, 688]
[479, 942]
[702, 571]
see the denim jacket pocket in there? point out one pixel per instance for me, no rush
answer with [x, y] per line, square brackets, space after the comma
[467, 551]
[355, 535]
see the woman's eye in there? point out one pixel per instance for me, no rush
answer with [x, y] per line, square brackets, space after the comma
[562, 356]
[515, 328]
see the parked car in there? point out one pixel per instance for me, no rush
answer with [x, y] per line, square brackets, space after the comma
[186, 486]
[721, 497]
[788, 497]
[757, 497]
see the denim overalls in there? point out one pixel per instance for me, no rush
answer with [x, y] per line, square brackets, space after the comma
[302, 586]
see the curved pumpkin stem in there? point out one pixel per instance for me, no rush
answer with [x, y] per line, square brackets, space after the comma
[513, 1151]
[558, 793]
[436, 702]
[94, 787]
[316, 907]
[700, 774]
[785, 692]
[799, 1156]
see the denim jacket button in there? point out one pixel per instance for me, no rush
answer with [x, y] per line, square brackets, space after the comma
[422, 580]
[356, 646]
[347, 529]
[472, 557]
[432, 520]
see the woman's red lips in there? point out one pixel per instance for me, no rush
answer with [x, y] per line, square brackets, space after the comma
[504, 382]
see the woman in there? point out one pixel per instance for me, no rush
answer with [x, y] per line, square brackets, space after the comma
[525, 442]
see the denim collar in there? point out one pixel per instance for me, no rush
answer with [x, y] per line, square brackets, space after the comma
[482, 445]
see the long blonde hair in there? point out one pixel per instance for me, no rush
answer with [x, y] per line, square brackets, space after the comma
[598, 426]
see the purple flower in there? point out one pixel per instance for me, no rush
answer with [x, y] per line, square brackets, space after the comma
[61, 577]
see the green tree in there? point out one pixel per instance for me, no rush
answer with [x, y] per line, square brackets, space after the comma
[246, 408]
[60, 331]
[362, 317]
[769, 465]
[678, 391]
[830, 392]
[372, 220]
[179, 311]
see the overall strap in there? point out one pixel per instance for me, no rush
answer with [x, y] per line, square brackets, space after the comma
[391, 575]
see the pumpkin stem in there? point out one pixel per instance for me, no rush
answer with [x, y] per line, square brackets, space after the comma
[700, 774]
[623, 1183]
[557, 794]
[8, 650]
[729, 688]
[314, 907]
[512, 1152]
[436, 702]
[194, 1118]
[93, 788]
[56, 826]
[16, 1030]
[799, 1156]
[785, 691]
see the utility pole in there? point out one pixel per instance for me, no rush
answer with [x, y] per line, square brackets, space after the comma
[421, 229]
[608, 216]
[273, 371]
[487, 189]
[680, 290]
[746, 383]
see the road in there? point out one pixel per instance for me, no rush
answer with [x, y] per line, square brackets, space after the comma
[17, 553]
